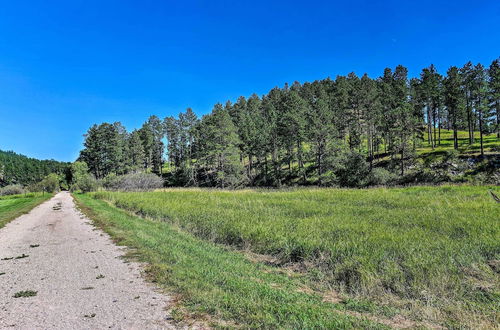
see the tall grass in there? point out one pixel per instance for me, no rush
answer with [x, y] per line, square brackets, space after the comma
[431, 244]
[222, 284]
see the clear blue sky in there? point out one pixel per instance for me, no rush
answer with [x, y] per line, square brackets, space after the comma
[65, 65]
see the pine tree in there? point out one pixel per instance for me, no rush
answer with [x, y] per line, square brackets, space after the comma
[480, 101]
[270, 108]
[340, 106]
[454, 101]
[354, 119]
[293, 126]
[431, 91]
[320, 124]
[135, 151]
[387, 117]
[405, 123]
[467, 77]
[218, 148]
[186, 128]
[369, 107]
[494, 92]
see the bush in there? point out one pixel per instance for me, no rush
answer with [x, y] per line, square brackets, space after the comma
[50, 183]
[14, 189]
[134, 182]
[86, 183]
[352, 170]
[380, 177]
[110, 181]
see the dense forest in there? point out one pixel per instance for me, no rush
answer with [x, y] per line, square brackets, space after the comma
[347, 131]
[22, 170]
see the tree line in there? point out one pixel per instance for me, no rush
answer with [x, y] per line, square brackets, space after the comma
[326, 132]
[25, 171]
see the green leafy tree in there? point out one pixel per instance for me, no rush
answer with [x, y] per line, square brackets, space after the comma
[50, 184]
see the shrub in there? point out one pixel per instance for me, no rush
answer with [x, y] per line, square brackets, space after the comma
[380, 176]
[14, 189]
[86, 183]
[135, 182]
[110, 181]
[50, 183]
[352, 170]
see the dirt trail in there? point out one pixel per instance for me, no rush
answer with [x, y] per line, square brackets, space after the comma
[80, 278]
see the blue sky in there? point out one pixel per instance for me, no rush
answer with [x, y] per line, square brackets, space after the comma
[65, 65]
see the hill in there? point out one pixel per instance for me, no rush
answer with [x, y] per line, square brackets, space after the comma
[20, 169]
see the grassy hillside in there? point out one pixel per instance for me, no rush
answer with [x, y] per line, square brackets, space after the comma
[430, 252]
[12, 207]
[441, 164]
[491, 144]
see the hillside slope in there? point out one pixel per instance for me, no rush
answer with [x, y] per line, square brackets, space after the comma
[20, 169]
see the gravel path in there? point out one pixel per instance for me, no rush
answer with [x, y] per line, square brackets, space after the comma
[80, 278]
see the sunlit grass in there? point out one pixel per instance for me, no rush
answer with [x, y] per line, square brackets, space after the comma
[491, 143]
[215, 284]
[428, 244]
[13, 206]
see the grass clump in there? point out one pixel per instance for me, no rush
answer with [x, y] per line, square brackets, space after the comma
[22, 256]
[211, 280]
[431, 246]
[25, 294]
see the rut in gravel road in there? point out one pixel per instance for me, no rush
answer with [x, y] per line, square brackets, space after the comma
[80, 279]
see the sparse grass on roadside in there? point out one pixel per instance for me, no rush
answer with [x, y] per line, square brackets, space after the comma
[22, 256]
[87, 288]
[214, 283]
[424, 249]
[25, 294]
[14, 206]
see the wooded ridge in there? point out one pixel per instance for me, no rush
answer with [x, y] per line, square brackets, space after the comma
[347, 131]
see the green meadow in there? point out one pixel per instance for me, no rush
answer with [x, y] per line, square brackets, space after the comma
[430, 254]
[15, 205]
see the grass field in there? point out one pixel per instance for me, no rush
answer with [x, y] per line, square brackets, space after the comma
[430, 252]
[219, 286]
[13, 206]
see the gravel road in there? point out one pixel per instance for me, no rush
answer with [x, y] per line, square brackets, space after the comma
[80, 279]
